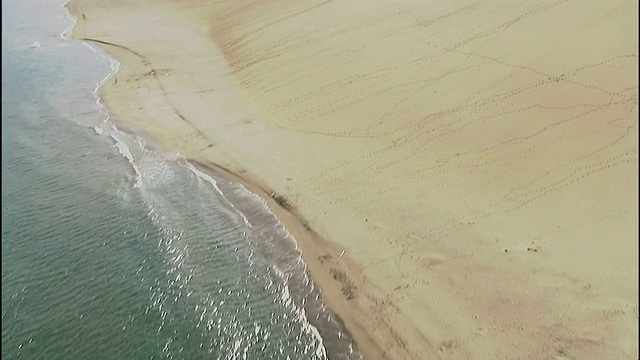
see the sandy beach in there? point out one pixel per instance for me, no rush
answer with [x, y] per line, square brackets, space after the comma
[461, 177]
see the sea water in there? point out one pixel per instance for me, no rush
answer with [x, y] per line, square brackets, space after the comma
[114, 251]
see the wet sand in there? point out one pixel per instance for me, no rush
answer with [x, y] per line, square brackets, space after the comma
[461, 178]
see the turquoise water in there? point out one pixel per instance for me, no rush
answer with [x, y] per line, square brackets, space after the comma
[112, 251]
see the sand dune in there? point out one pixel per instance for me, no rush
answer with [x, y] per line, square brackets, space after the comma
[475, 163]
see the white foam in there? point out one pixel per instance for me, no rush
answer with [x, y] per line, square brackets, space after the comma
[125, 151]
[299, 312]
[214, 183]
[241, 190]
[123, 148]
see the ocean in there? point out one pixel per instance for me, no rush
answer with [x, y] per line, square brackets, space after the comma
[113, 251]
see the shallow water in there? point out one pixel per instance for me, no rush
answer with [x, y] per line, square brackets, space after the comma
[113, 251]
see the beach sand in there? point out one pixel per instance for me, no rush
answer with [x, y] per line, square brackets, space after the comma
[462, 177]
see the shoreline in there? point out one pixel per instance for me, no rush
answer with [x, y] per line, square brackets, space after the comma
[312, 248]
[450, 231]
[311, 245]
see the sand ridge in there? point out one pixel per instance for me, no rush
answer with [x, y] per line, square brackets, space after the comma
[475, 164]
